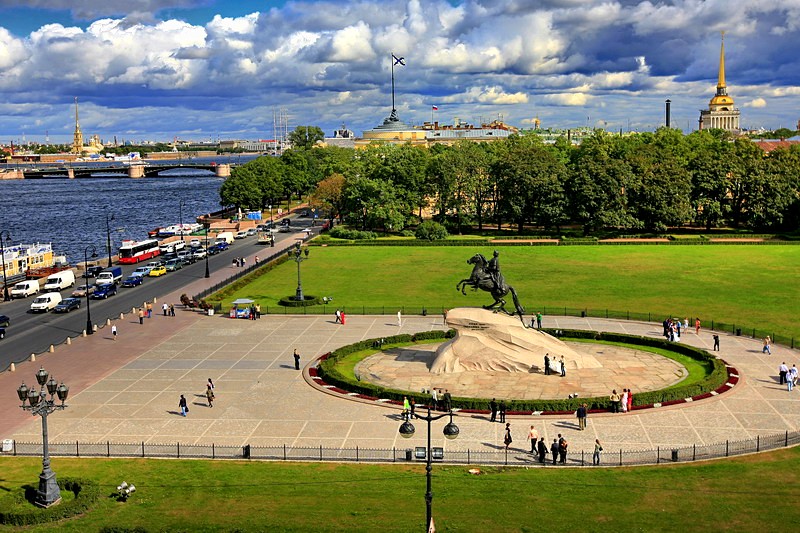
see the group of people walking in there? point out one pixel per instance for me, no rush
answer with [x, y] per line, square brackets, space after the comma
[787, 375]
[184, 406]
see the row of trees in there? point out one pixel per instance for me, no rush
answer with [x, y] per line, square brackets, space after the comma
[647, 181]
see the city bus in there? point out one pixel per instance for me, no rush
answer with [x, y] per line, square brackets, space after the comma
[132, 252]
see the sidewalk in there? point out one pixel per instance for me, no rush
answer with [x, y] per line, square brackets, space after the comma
[128, 391]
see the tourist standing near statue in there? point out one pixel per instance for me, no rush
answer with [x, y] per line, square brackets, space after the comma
[546, 364]
[562, 449]
[697, 326]
[296, 360]
[448, 401]
[533, 436]
[435, 398]
[581, 414]
[563, 366]
[716, 342]
[782, 371]
[399, 320]
[630, 400]
[614, 401]
[539, 320]
[554, 450]
[493, 409]
[507, 440]
[502, 411]
[596, 455]
[542, 448]
[406, 408]
[624, 401]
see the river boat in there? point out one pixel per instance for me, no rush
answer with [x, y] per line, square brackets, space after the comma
[178, 229]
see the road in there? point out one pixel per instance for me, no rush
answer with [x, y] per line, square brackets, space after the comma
[34, 333]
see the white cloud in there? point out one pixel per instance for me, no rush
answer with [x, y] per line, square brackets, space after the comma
[756, 102]
[488, 95]
[568, 99]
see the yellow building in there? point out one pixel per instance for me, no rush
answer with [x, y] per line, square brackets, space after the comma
[721, 113]
[94, 146]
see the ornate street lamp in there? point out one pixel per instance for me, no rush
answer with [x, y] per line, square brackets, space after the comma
[39, 404]
[180, 216]
[208, 226]
[108, 237]
[450, 432]
[296, 255]
[93, 248]
[7, 234]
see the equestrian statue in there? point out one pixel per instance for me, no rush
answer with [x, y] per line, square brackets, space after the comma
[486, 276]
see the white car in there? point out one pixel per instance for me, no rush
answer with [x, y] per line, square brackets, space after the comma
[142, 270]
[240, 234]
[194, 243]
[199, 253]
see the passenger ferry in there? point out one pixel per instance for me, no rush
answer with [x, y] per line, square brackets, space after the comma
[132, 252]
[20, 258]
[175, 229]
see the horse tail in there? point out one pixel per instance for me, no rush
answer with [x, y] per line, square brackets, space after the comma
[517, 305]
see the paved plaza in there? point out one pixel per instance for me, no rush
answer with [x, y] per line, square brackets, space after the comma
[128, 390]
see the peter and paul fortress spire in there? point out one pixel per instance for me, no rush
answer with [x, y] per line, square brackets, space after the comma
[721, 114]
[77, 138]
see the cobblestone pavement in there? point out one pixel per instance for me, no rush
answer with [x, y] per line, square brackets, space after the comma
[128, 390]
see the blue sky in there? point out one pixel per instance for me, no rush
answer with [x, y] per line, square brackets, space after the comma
[207, 69]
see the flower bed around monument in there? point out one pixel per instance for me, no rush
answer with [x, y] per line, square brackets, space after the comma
[720, 377]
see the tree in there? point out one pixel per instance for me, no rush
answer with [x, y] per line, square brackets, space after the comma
[660, 187]
[709, 167]
[329, 195]
[240, 190]
[304, 137]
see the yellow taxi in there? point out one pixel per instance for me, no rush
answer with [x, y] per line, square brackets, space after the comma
[158, 271]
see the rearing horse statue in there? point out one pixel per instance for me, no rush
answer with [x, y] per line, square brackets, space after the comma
[481, 278]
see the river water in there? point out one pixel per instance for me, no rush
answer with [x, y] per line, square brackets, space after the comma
[71, 213]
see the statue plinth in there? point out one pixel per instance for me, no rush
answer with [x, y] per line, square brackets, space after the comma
[487, 341]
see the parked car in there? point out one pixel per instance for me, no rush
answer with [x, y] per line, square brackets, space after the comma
[173, 265]
[67, 305]
[4, 321]
[83, 290]
[158, 271]
[142, 270]
[104, 291]
[132, 281]
[240, 234]
[194, 243]
[92, 271]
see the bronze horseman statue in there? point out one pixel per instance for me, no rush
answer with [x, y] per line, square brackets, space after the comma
[486, 276]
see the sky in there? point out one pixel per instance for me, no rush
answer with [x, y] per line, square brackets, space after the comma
[223, 69]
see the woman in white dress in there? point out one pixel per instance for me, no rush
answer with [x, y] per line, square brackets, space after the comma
[624, 401]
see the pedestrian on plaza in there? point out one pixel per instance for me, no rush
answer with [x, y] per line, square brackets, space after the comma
[399, 320]
[448, 401]
[539, 320]
[581, 415]
[406, 408]
[766, 349]
[209, 395]
[507, 440]
[114, 331]
[542, 448]
[596, 455]
[338, 317]
[296, 360]
[171, 309]
[782, 371]
[533, 436]
[502, 411]
[165, 308]
[256, 261]
[149, 310]
[412, 406]
[624, 401]
[533, 322]
[563, 366]
[258, 311]
[697, 326]
[686, 325]
[183, 406]
[554, 450]
[716, 342]
[244, 261]
[210, 384]
[235, 262]
[678, 326]
[547, 364]
[493, 409]
[630, 400]
[344, 317]
[793, 375]
[562, 449]
[141, 316]
[435, 398]
[614, 401]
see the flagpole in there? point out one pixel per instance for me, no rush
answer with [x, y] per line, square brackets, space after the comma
[392, 61]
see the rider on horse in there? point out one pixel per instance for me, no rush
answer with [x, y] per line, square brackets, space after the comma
[493, 269]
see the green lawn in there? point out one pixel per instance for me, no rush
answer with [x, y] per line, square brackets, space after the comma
[754, 493]
[749, 285]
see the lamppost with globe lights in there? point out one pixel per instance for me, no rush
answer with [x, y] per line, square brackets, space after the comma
[39, 404]
[180, 216]
[208, 226]
[296, 255]
[93, 248]
[7, 234]
[109, 218]
[450, 432]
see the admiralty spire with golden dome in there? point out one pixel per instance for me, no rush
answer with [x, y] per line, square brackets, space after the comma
[720, 113]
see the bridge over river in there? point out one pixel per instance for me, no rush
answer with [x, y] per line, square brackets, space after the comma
[145, 170]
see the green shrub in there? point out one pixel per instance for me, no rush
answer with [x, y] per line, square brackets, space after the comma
[289, 301]
[431, 231]
[86, 495]
[340, 232]
[407, 233]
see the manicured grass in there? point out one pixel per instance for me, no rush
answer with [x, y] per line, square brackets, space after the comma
[748, 285]
[754, 493]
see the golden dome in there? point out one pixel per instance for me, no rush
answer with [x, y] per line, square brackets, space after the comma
[721, 99]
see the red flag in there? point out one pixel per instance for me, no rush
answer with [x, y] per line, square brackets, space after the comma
[435, 108]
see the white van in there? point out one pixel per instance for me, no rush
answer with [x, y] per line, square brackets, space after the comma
[172, 247]
[23, 289]
[45, 302]
[59, 280]
[226, 237]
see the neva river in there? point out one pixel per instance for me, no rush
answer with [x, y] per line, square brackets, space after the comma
[71, 213]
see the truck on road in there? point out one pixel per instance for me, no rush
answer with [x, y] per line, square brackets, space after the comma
[111, 275]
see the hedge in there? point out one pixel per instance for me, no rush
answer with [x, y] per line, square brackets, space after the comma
[716, 378]
[86, 494]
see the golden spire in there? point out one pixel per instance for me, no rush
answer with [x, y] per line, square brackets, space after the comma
[77, 138]
[721, 80]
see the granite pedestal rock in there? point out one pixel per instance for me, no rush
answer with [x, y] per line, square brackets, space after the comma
[487, 341]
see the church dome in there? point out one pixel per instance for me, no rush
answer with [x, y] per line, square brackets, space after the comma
[721, 99]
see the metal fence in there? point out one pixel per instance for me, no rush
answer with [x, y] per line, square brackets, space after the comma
[511, 457]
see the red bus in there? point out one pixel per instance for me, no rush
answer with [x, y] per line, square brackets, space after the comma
[132, 252]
